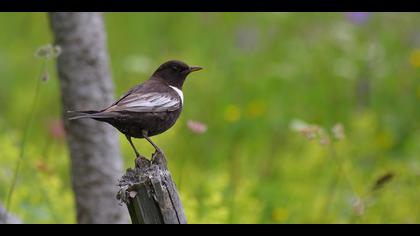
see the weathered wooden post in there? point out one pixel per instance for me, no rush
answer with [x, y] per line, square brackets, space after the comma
[150, 193]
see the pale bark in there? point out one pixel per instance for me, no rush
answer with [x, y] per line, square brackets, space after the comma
[85, 82]
[7, 218]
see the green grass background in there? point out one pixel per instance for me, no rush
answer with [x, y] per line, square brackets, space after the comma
[263, 73]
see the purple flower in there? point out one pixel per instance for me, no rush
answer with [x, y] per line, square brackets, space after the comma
[358, 18]
[196, 127]
[56, 128]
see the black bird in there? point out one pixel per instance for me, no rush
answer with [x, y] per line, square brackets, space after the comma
[150, 108]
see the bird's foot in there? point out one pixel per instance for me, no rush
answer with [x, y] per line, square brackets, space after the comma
[159, 158]
[158, 150]
[141, 162]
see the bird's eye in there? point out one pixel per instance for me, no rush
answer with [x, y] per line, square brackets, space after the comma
[175, 68]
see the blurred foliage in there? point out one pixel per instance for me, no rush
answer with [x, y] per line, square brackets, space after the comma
[274, 87]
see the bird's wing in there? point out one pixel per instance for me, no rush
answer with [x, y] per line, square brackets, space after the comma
[125, 95]
[147, 102]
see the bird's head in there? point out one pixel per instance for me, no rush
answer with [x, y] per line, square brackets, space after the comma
[174, 72]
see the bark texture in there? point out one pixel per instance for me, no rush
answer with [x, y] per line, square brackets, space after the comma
[85, 81]
[7, 218]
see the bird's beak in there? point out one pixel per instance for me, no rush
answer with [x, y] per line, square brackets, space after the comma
[194, 68]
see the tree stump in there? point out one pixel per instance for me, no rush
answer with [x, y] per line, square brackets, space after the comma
[150, 193]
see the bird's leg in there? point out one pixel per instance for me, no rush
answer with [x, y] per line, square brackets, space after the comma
[140, 161]
[151, 142]
[158, 157]
[132, 145]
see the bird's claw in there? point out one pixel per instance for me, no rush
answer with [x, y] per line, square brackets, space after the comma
[141, 162]
[159, 158]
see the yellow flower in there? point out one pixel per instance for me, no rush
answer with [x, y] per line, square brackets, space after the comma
[280, 214]
[385, 140]
[415, 58]
[256, 109]
[232, 113]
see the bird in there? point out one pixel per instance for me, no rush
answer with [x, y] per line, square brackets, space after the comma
[149, 108]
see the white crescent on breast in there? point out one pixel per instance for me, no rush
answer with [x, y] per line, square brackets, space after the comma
[179, 92]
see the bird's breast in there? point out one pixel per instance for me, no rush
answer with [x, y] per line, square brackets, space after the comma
[179, 92]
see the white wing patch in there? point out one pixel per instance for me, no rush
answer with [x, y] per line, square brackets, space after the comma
[150, 102]
[179, 92]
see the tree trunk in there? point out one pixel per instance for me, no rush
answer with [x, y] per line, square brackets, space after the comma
[7, 218]
[86, 84]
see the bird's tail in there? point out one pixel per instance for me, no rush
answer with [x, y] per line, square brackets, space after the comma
[74, 115]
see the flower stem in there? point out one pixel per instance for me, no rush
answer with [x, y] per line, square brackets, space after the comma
[26, 132]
